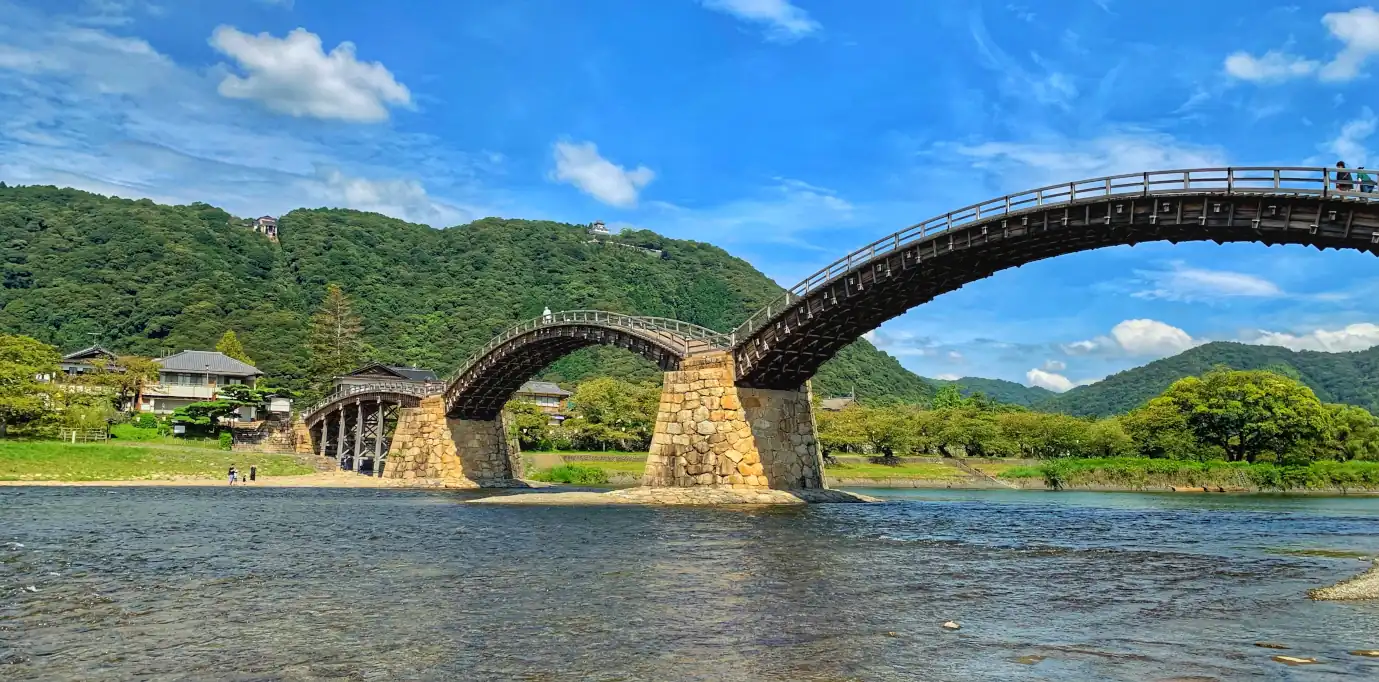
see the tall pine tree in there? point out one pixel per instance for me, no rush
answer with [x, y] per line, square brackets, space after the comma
[229, 345]
[334, 339]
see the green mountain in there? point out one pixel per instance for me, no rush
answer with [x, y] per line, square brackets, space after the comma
[1000, 390]
[140, 277]
[1351, 378]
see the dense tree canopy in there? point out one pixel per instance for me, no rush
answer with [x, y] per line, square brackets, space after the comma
[23, 397]
[1245, 416]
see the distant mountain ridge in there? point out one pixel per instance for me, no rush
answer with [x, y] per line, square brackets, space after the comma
[1351, 378]
[1000, 390]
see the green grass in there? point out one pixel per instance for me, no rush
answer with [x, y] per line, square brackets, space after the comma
[595, 453]
[56, 461]
[1142, 472]
[129, 433]
[573, 474]
[616, 467]
[925, 470]
[999, 468]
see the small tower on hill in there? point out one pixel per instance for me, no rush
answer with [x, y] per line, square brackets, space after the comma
[267, 226]
[596, 229]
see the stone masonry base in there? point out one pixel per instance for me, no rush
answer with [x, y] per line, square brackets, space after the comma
[710, 432]
[463, 453]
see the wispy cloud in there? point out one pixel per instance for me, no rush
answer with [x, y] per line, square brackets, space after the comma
[1184, 283]
[1350, 143]
[1038, 162]
[785, 22]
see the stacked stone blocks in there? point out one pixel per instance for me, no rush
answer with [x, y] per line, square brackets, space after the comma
[709, 432]
[463, 453]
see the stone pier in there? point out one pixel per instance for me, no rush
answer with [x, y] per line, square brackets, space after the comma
[462, 453]
[710, 432]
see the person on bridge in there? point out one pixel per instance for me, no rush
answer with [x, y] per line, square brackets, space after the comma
[1343, 178]
[546, 314]
[1365, 179]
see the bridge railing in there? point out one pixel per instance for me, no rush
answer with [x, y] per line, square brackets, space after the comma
[1250, 180]
[421, 390]
[675, 331]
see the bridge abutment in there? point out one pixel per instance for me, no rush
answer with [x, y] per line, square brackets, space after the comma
[470, 453]
[711, 432]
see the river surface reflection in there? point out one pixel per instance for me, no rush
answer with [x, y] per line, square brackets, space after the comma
[302, 584]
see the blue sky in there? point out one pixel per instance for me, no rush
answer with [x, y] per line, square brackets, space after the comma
[785, 131]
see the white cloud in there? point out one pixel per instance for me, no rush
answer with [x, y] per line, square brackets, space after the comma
[1051, 380]
[405, 199]
[1151, 337]
[784, 20]
[1184, 283]
[1044, 162]
[1358, 32]
[579, 164]
[948, 377]
[1273, 66]
[954, 356]
[295, 76]
[1054, 366]
[1140, 337]
[1358, 29]
[1349, 143]
[1349, 338]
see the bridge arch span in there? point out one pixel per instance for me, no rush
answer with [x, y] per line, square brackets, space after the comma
[490, 377]
[783, 345]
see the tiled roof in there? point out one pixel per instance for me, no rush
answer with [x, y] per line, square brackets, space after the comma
[415, 373]
[406, 373]
[205, 360]
[91, 352]
[542, 388]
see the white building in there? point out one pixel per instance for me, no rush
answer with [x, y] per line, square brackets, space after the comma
[194, 376]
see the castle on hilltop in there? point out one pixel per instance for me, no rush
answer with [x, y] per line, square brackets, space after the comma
[266, 226]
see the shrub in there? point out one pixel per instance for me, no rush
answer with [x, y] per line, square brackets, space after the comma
[573, 474]
[226, 440]
[146, 421]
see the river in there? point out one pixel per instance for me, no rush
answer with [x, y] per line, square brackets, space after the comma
[369, 584]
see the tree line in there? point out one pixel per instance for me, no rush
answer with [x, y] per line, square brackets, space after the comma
[1231, 415]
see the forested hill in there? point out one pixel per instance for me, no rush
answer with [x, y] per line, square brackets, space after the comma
[1000, 390]
[1351, 378]
[140, 277]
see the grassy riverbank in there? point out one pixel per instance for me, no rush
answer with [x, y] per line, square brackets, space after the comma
[55, 461]
[1127, 473]
[1137, 473]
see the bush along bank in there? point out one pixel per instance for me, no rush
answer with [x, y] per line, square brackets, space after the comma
[1137, 473]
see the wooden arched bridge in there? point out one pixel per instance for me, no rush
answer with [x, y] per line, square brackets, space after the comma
[735, 407]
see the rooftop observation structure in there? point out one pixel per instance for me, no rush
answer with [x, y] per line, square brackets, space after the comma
[735, 409]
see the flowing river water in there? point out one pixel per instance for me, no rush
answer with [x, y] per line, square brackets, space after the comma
[367, 584]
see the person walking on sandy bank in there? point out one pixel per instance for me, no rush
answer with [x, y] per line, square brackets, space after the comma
[253, 472]
[233, 474]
